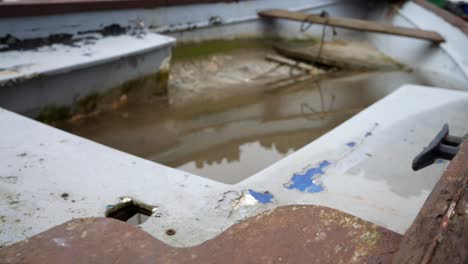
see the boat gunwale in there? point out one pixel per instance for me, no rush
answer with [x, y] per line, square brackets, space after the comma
[50, 7]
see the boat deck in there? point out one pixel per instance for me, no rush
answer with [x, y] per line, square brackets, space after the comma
[20, 65]
[336, 171]
[90, 63]
[356, 179]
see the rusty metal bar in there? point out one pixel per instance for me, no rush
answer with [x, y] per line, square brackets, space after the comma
[436, 235]
[289, 234]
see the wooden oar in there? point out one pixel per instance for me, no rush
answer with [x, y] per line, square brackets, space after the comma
[355, 24]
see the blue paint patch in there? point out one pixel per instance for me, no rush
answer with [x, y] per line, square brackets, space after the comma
[265, 197]
[305, 182]
[351, 144]
[439, 161]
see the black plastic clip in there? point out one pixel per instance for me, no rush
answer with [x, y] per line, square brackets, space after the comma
[443, 146]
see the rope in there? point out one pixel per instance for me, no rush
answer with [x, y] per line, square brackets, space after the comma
[305, 106]
[306, 25]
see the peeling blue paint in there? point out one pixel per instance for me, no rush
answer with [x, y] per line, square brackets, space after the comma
[265, 197]
[305, 182]
[351, 144]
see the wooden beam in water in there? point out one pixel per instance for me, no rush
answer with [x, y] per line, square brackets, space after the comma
[356, 24]
[293, 63]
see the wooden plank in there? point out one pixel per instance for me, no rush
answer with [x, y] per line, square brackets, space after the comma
[293, 63]
[355, 24]
[343, 55]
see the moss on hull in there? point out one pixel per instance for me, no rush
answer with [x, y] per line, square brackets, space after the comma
[191, 50]
[54, 115]
[137, 90]
[89, 103]
[154, 84]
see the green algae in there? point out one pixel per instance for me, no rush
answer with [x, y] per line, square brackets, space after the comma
[155, 84]
[190, 50]
[54, 115]
[89, 103]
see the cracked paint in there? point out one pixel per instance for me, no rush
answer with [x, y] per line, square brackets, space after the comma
[262, 197]
[306, 182]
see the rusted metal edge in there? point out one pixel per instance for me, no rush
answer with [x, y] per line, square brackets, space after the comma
[439, 233]
[50, 7]
[446, 15]
[289, 234]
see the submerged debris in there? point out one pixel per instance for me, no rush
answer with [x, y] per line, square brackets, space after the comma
[342, 55]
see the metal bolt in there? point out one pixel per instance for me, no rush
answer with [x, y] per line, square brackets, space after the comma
[170, 232]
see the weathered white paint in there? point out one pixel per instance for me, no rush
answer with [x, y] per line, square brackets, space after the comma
[163, 18]
[37, 78]
[39, 163]
[447, 59]
[192, 23]
[237, 20]
[456, 39]
[372, 179]
[60, 74]
[56, 59]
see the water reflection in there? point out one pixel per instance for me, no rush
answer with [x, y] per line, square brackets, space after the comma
[400, 178]
[234, 170]
[231, 139]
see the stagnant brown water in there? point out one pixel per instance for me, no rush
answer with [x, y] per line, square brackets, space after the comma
[240, 136]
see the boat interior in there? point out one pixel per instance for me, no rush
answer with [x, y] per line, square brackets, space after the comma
[192, 121]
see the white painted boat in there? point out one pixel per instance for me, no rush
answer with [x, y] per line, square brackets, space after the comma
[362, 167]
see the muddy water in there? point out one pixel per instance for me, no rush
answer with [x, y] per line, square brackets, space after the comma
[238, 137]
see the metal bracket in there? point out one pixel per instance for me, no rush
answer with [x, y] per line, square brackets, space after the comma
[443, 146]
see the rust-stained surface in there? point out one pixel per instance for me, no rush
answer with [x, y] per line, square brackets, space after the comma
[289, 234]
[49, 7]
[439, 233]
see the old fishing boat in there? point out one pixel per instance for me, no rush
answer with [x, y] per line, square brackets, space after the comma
[240, 131]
